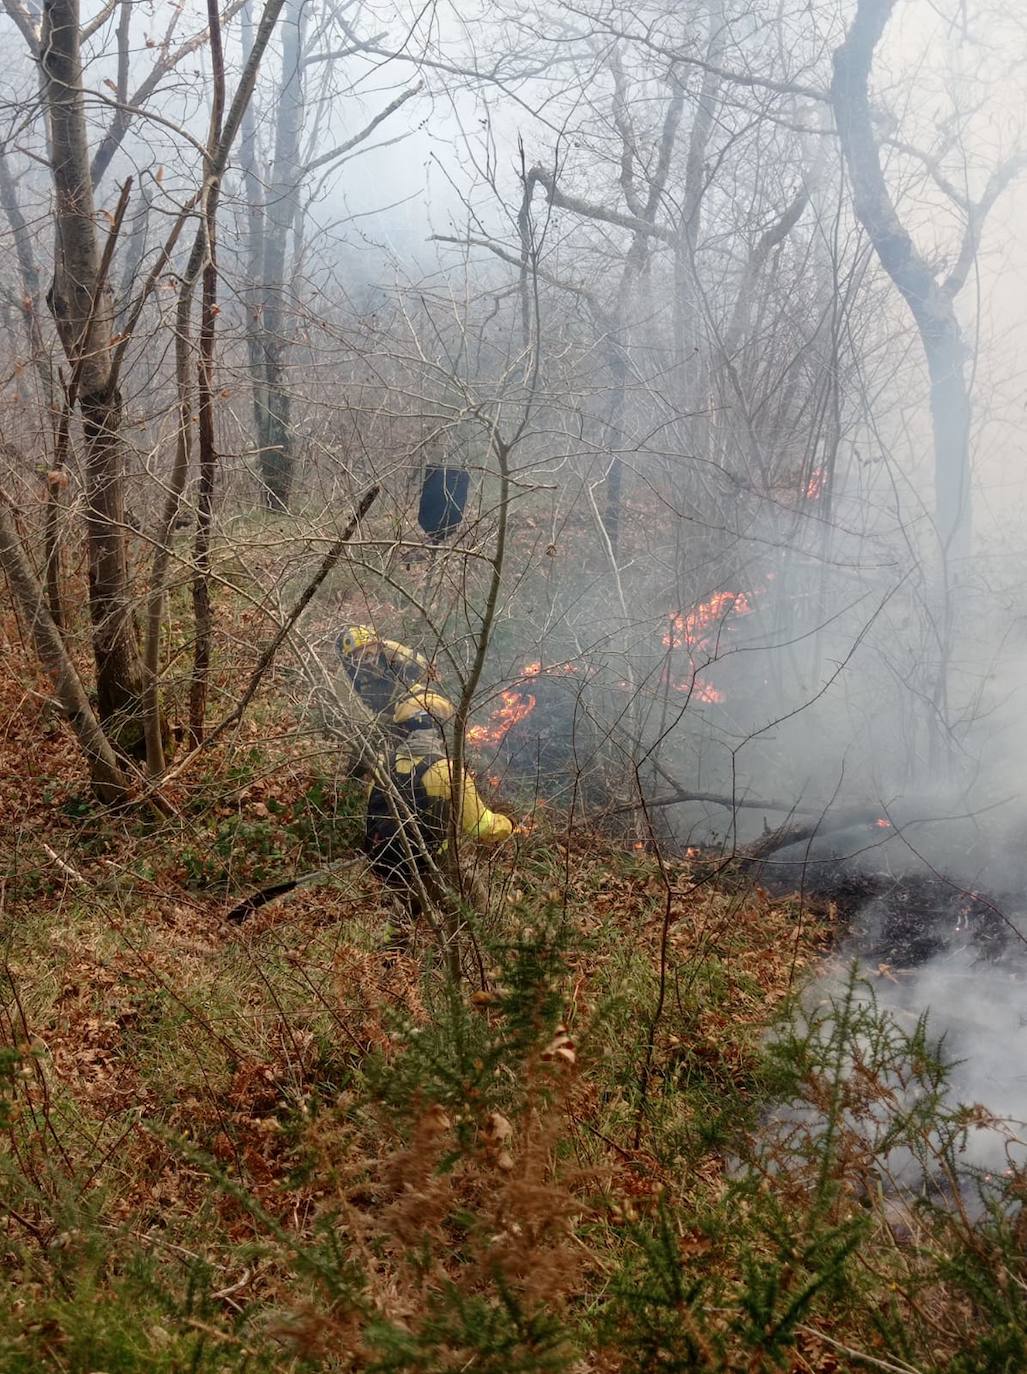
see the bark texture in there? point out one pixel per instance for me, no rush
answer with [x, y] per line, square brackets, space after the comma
[82, 306]
[275, 433]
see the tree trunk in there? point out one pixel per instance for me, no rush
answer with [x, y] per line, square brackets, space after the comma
[931, 302]
[108, 780]
[202, 615]
[253, 235]
[687, 303]
[116, 648]
[277, 456]
[950, 418]
[81, 303]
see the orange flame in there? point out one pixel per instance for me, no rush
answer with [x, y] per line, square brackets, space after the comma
[882, 823]
[694, 631]
[513, 706]
[701, 691]
[815, 485]
[535, 668]
[689, 631]
[512, 709]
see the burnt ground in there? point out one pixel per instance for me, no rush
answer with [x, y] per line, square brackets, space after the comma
[896, 895]
[907, 921]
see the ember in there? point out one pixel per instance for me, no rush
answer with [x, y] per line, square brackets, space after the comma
[815, 485]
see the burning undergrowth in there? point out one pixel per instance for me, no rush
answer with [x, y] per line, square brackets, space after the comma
[693, 640]
[541, 729]
[572, 725]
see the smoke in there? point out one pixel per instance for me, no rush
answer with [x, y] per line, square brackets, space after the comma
[979, 1014]
[932, 945]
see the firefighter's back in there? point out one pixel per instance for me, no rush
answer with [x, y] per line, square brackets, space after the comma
[407, 821]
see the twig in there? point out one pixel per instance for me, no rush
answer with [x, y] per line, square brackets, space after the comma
[902, 1368]
[327, 564]
[66, 868]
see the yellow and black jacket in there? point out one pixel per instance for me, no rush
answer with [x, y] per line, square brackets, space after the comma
[380, 671]
[408, 807]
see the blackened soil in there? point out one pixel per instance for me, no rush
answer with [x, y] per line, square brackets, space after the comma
[905, 921]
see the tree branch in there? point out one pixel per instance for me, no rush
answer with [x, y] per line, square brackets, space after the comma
[976, 215]
[538, 175]
[368, 129]
[96, 24]
[114, 136]
[25, 24]
[872, 201]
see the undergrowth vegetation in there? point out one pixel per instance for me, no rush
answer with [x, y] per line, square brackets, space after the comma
[646, 1132]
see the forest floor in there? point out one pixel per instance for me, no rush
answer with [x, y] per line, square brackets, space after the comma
[282, 1146]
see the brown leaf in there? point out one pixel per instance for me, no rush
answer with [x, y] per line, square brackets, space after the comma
[561, 1048]
[497, 1128]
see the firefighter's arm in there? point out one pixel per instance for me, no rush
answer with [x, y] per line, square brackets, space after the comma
[476, 820]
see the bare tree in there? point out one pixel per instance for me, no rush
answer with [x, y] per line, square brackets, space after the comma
[81, 300]
[274, 222]
[931, 298]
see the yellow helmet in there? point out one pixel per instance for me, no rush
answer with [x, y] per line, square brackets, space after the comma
[398, 658]
[353, 639]
[423, 701]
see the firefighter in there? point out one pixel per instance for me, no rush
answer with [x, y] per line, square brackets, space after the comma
[381, 671]
[409, 800]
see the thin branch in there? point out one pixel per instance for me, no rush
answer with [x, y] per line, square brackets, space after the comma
[368, 129]
[115, 135]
